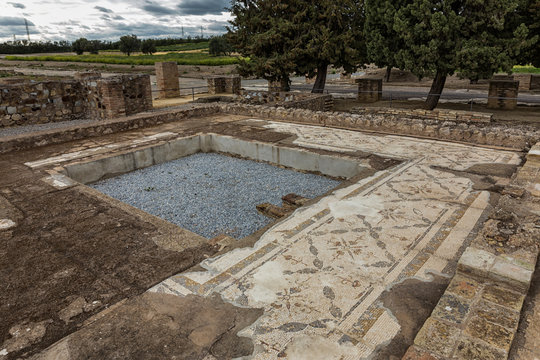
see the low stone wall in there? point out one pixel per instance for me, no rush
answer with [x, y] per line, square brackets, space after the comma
[35, 103]
[511, 137]
[88, 97]
[100, 128]
[438, 114]
[315, 102]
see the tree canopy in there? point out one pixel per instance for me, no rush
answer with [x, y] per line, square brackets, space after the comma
[129, 44]
[444, 36]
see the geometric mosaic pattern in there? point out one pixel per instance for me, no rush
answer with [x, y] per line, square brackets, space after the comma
[320, 273]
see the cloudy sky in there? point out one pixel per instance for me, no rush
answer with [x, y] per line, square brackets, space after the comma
[110, 19]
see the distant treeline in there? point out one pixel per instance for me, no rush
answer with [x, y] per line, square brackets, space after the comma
[31, 47]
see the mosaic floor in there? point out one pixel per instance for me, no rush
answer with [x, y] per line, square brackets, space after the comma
[319, 274]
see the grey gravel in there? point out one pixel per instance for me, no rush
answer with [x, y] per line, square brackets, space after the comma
[18, 130]
[212, 194]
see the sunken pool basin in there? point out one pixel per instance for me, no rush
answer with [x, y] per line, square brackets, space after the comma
[191, 182]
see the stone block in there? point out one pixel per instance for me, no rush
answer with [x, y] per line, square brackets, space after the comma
[437, 337]
[469, 349]
[463, 286]
[492, 334]
[415, 353]
[504, 297]
[369, 90]
[503, 94]
[451, 308]
[224, 84]
[496, 314]
[476, 262]
[515, 276]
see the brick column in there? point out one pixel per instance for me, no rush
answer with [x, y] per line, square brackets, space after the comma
[112, 98]
[216, 85]
[233, 84]
[167, 79]
[369, 90]
[535, 82]
[503, 94]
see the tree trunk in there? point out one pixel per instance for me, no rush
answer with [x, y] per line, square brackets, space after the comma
[320, 80]
[437, 87]
[388, 73]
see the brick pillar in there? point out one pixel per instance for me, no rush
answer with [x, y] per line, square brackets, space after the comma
[216, 84]
[503, 94]
[369, 90]
[167, 79]
[233, 84]
[112, 102]
[535, 82]
[275, 86]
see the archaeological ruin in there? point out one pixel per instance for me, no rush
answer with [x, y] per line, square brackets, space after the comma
[260, 224]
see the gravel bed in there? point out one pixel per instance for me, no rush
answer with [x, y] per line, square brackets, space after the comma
[212, 194]
[18, 130]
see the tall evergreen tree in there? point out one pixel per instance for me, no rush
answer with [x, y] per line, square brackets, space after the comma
[331, 34]
[441, 37]
[382, 41]
[264, 32]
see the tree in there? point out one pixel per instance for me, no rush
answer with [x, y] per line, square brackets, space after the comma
[330, 33]
[218, 45]
[129, 44]
[441, 37]
[93, 46]
[382, 41]
[264, 32]
[148, 46]
[80, 45]
[528, 14]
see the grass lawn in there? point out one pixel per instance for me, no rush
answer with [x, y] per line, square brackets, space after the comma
[118, 58]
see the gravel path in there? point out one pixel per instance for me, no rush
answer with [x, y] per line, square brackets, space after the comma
[18, 130]
[211, 194]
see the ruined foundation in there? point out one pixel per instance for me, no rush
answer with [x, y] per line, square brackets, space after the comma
[167, 79]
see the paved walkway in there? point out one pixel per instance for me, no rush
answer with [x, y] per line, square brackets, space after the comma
[320, 274]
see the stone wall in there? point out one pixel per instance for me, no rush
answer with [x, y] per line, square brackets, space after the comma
[167, 79]
[503, 94]
[369, 90]
[479, 133]
[224, 84]
[315, 102]
[437, 114]
[34, 103]
[89, 97]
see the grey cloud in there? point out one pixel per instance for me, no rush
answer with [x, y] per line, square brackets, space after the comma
[17, 5]
[13, 21]
[118, 17]
[103, 9]
[198, 7]
[157, 9]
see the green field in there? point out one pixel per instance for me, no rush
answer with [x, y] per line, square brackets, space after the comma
[184, 47]
[526, 69]
[117, 58]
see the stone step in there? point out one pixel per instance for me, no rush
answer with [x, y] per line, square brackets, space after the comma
[294, 200]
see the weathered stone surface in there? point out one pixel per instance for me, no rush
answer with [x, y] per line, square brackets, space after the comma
[437, 337]
[476, 262]
[415, 353]
[463, 286]
[511, 274]
[497, 314]
[451, 308]
[503, 296]
[469, 349]
[493, 334]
